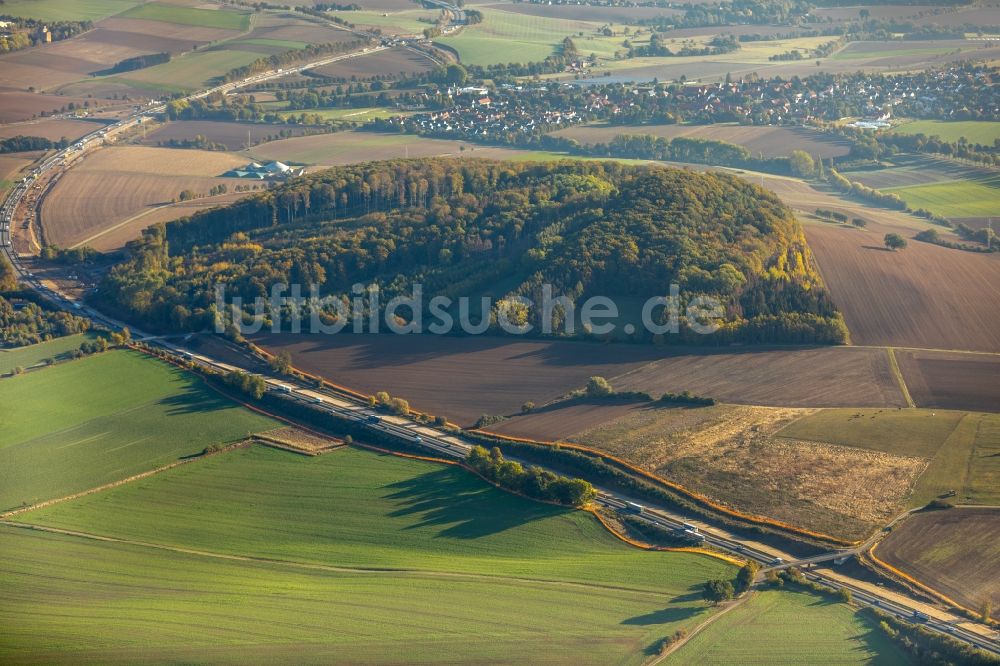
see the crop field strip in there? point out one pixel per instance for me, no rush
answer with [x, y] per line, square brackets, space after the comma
[954, 551]
[495, 549]
[84, 423]
[788, 628]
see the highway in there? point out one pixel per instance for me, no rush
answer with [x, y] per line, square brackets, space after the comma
[446, 444]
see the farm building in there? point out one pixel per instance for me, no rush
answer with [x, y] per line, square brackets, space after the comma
[270, 171]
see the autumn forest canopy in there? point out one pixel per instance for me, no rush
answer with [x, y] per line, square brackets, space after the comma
[501, 229]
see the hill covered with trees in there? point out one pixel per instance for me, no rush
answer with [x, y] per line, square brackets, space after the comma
[500, 229]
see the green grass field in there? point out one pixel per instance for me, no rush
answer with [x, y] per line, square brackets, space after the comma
[85, 423]
[961, 447]
[226, 19]
[191, 70]
[274, 504]
[57, 349]
[505, 37]
[405, 21]
[371, 559]
[848, 54]
[76, 600]
[960, 198]
[777, 628]
[975, 131]
[66, 10]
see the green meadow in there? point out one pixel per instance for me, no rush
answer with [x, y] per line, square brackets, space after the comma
[85, 423]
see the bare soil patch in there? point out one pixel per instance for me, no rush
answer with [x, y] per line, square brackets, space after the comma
[53, 129]
[730, 453]
[818, 377]
[461, 378]
[298, 440]
[562, 420]
[16, 104]
[956, 552]
[395, 61]
[114, 184]
[951, 381]
[923, 296]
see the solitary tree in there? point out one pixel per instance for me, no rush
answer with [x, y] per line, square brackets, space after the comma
[281, 363]
[986, 611]
[802, 164]
[527, 407]
[894, 242]
[744, 579]
[844, 594]
[718, 590]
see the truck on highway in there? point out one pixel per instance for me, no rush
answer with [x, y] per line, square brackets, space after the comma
[417, 439]
[694, 535]
[374, 419]
[283, 388]
[632, 507]
[918, 616]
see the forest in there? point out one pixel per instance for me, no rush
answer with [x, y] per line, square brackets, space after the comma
[505, 229]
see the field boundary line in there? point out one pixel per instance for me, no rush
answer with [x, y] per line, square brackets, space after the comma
[114, 484]
[698, 497]
[318, 566]
[673, 647]
[897, 373]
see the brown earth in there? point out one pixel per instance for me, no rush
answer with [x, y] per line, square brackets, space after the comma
[114, 184]
[53, 129]
[771, 141]
[12, 163]
[293, 28]
[232, 135]
[923, 296]
[458, 377]
[956, 552]
[391, 61]
[564, 419]
[819, 377]
[466, 377]
[951, 381]
[16, 104]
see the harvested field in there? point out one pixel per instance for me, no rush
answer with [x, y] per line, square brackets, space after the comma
[958, 447]
[459, 377]
[297, 440]
[291, 27]
[353, 147]
[731, 454]
[11, 165]
[392, 61]
[66, 10]
[818, 377]
[16, 105]
[918, 170]
[972, 15]
[771, 141]
[875, 11]
[600, 14]
[956, 552]
[951, 381]
[924, 296]
[411, 21]
[497, 375]
[52, 129]
[222, 18]
[909, 54]
[232, 135]
[117, 183]
[564, 419]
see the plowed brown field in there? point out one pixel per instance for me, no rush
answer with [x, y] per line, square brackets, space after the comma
[951, 381]
[923, 296]
[115, 184]
[926, 546]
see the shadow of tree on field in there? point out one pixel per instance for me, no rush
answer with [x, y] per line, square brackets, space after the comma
[192, 400]
[460, 506]
[663, 616]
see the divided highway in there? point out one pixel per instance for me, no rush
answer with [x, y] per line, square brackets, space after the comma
[449, 445]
